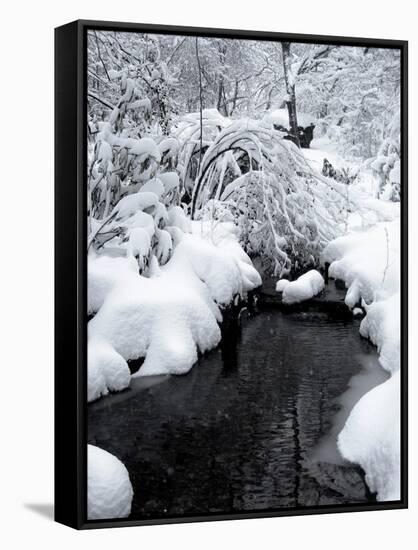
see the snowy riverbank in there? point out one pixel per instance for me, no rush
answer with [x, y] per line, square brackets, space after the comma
[369, 262]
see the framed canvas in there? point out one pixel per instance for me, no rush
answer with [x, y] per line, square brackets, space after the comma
[231, 274]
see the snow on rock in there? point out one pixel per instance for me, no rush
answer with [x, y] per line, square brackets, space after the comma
[171, 316]
[369, 263]
[304, 288]
[109, 489]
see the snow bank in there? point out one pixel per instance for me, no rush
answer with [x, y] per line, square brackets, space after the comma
[371, 438]
[169, 317]
[369, 263]
[304, 288]
[109, 490]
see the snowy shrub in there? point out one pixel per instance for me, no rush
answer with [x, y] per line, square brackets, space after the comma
[167, 318]
[285, 211]
[387, 167]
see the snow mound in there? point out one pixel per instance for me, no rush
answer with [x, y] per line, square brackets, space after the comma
[369, 263]
[109, 489]
[371, 438]
[304, 288]
[107, 370]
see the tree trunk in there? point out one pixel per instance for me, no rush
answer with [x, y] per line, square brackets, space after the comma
[290, 93]
[195, 191]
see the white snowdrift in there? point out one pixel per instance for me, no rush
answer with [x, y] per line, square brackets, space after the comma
[167, 318]
[109, 489]
[368, 261]
[304, 288]
[371, 438]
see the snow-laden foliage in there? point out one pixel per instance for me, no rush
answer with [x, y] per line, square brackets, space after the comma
[387, 163]
[285, 211]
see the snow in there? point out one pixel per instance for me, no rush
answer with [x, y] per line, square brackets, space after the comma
[103, 273]
[280, 117]
[170, 181]
[169, 146]
[109, 489]
[281, 285]
[371, 438]
[155, 185]
[129, 205]
[304, 288]
[171, 316]
[139, 245]
[178, 218]
[145, 147]
[142, 220]
[107, 370]
[368, 261]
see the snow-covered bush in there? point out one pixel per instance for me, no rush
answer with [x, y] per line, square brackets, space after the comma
[285, 211]
[387, 166]
[169, 317]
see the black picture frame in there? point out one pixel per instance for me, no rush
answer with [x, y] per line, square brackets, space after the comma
[71, 269]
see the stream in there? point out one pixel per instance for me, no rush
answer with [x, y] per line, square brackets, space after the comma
[252, 427]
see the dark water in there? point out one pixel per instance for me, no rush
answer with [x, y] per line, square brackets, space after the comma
[251, 427]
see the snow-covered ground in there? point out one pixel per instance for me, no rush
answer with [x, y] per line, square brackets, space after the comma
[368, 260]
[168, 317]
